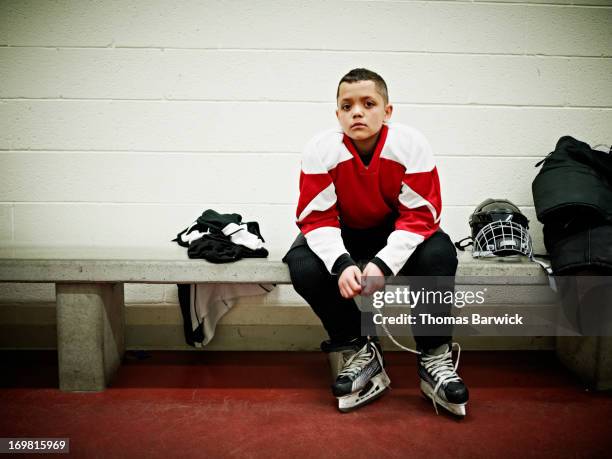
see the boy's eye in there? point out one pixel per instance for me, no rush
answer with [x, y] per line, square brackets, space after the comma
[346, 107]
[369, 103]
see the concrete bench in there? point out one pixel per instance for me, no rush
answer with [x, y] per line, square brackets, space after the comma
[91, 313]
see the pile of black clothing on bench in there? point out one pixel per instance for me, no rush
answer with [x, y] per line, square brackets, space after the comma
[218, 238]
[222, 238]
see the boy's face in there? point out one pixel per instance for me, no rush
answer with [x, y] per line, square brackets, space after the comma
[361, 110]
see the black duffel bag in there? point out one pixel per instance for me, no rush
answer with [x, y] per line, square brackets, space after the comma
[589, 249]
[572, 194]
[574, 179]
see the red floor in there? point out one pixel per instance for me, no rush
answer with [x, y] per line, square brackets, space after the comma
[278, 405]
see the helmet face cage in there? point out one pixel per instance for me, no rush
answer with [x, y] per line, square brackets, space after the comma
[502, 238]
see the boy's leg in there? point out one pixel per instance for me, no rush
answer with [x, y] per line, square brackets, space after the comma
[311, 280]
[361, 376]
[434, 265]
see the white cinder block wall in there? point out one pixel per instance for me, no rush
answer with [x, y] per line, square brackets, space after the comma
[121, 121]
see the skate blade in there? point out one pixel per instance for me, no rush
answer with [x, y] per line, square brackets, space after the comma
[374, 389]
[458, 409]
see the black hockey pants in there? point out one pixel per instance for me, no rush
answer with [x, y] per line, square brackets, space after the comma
[341, 318]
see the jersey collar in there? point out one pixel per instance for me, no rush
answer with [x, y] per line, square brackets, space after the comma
[373, 166]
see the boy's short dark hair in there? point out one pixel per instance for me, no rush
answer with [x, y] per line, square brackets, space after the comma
[356, 75]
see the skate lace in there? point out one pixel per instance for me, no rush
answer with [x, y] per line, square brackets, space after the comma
[442, 369]
[357, 361]
[392, 338]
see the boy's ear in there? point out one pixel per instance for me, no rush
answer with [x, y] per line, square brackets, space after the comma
[388, 112]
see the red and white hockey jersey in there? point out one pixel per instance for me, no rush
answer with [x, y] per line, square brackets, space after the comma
[336, 188]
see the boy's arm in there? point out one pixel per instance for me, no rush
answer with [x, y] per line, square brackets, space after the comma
[419, 206]
[317, 214]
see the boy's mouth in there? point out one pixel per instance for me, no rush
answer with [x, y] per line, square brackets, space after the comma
[358, 125]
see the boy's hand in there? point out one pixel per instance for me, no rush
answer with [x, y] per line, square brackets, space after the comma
[349, 282]
[372, 279]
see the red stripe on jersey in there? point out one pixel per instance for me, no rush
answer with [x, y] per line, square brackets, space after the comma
[310, 186]
[426, 185]
[419, 221]
[317, 219]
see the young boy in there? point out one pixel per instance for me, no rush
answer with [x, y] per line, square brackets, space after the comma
[371, 192]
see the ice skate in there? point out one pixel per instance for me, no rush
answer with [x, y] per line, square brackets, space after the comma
[362, 377]
[440, 381]
[339, 353]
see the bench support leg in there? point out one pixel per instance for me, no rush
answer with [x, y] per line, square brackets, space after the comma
[90, 334]
[590, 357]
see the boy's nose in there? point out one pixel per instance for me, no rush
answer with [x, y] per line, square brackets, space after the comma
[357, 111]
